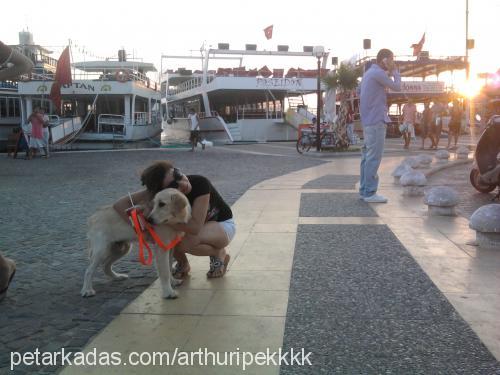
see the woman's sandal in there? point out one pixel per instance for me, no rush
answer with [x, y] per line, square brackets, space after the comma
[181, 272]
[3, 292]
[217, 267]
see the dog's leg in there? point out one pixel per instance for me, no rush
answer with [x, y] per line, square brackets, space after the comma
[99, 252]
[117, 251]
[164, 273]
[174, 282]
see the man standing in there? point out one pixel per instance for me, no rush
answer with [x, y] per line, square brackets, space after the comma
[194, 121]
[374, 118]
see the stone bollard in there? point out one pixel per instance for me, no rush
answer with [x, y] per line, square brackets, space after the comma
[424, 161]
[441, 201]
[486, 222]
[462, 152]
[400, 170]
[413, 183]
[442, 156]
[412, 161]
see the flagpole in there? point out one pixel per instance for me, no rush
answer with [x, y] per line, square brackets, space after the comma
[71, 54]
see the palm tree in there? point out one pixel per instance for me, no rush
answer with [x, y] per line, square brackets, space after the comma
[343, 80]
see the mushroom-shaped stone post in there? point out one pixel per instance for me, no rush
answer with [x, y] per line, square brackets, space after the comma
[412, 161]
[413, 183]
[462, 152]
[441, 201]
[442, 156]
[400, 170]
[424, 161]
[486, 222]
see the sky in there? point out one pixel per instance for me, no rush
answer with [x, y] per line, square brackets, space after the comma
[175, 27]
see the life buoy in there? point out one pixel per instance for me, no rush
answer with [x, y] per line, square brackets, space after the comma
[122, 76]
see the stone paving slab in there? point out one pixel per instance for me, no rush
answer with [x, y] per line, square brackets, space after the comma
[365, 306]
[334, 205]
[333, 181]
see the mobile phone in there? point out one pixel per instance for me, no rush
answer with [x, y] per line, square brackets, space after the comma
[384, 60]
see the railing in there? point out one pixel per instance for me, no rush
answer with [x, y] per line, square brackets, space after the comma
[8, 85]
[141, 118]
[61, 128]
[98, 76]
[107, 123]
[189, 85]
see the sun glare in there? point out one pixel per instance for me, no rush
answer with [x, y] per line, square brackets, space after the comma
[470, 88]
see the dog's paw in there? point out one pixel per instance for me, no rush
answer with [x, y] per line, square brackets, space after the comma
[175, 282]
[87, 293]
[171, 295]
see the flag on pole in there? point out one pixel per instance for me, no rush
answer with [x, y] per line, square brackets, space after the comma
[62, 77]
[268, 32]
[417, 48]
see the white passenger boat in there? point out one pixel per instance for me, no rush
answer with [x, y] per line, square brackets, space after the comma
[238, 104]
[107, 101]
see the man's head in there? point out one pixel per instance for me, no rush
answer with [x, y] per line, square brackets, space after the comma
[192, 111]
[385, 58]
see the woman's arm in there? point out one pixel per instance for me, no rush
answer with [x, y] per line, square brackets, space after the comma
[198, 216]
[20, 64]
[123, 204]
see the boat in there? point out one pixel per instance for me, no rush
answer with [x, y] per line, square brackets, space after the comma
[108, 101]
[238, 104]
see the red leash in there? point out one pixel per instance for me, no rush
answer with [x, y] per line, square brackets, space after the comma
[139, 223]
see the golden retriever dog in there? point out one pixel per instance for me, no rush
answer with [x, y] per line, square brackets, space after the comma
[110, 239]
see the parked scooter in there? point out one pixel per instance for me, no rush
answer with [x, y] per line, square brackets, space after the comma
[485, 173]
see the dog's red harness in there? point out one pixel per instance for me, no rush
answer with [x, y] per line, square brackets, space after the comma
[140, 224]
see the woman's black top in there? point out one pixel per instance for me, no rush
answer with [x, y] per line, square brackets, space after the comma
[218, 210]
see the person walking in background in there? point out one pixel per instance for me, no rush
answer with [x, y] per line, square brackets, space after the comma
[194, 136]
[350, 125]
[46, 132]
[407, 128]
[438, 111]
[455, 124]
[427, 128]
[374, 118]
[36, 138]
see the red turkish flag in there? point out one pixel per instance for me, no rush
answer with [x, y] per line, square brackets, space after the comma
[417, 48]
[268, 32]
[55, 95]
[62, 77]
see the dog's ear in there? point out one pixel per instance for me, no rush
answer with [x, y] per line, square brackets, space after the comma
[179, 202]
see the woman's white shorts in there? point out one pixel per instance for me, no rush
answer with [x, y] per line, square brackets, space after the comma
[229, 227]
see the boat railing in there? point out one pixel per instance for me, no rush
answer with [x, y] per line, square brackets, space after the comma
[259, 114]
[189, 85]
[124, 76]
[141, 118]
[9, 85]
[109, 123]
[205, 115]
[54, 120]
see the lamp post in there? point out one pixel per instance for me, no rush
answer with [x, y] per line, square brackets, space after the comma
[319, 52]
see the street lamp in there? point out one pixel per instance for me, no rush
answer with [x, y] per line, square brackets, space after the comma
[319, 52]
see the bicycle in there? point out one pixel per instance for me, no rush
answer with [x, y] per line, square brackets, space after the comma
[308, 139]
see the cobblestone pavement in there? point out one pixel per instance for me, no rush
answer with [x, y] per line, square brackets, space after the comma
[458, 178]
[45, 204]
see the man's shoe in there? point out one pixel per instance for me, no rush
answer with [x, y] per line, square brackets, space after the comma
[375, 198]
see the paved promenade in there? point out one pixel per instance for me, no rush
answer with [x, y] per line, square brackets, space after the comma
[45, 205]
[368, 289]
